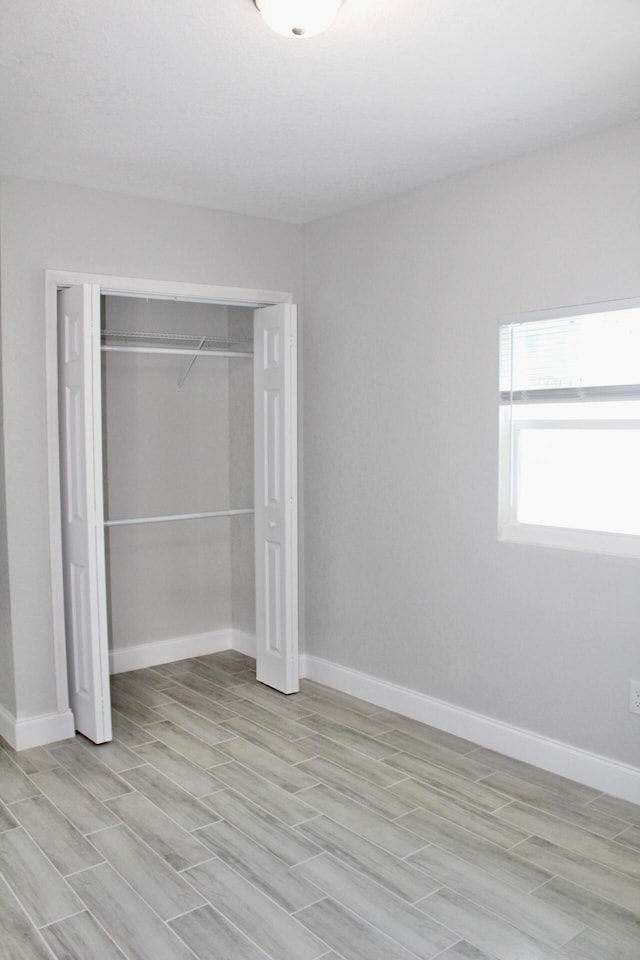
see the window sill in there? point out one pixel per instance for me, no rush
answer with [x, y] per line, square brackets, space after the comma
[561, 538]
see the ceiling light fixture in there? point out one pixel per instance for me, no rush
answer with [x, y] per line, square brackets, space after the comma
[298, 18]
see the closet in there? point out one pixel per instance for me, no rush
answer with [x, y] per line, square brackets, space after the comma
[178, 519]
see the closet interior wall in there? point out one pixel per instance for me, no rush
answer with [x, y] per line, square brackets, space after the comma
[171, 449]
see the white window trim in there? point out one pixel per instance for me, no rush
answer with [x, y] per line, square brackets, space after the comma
[537, 535]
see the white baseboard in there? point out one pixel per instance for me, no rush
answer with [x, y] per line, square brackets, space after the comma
[243, 642]
[35, 731]
[601, 773]
[166, 651]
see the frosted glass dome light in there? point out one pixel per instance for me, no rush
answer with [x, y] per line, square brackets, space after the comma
[298, 18]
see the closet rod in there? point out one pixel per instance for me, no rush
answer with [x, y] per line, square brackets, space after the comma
[178, 352]
[177, 516]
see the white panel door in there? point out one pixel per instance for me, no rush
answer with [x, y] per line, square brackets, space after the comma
[276, 527]
[82, 510]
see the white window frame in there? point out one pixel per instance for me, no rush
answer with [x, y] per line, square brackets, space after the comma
[567, 538]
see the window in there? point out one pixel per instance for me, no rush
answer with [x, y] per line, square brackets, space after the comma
[570, 428]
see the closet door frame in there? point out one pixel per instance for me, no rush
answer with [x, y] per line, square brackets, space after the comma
[123, 286]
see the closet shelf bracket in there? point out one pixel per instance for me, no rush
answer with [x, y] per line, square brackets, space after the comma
[191, 363]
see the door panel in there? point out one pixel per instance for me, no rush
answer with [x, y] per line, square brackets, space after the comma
[276, 528]
[82, 510]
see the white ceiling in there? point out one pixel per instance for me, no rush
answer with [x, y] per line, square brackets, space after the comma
[198, 101]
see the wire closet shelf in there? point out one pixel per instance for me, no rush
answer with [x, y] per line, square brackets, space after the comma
[175, 343]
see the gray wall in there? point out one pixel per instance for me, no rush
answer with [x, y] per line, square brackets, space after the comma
[67, 228]
[405, 577]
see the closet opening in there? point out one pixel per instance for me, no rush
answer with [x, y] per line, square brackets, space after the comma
[178, 468]
[178, 527]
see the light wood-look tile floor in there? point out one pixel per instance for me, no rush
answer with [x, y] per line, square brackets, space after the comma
[227, 822]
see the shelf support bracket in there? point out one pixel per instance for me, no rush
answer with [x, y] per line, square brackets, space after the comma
[188, 370]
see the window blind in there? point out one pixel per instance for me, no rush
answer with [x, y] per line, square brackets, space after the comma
[593, 356]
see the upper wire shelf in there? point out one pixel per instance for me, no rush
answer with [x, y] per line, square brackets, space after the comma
[208, 344]
[177, 344]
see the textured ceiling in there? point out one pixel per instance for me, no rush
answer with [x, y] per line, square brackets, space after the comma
[197, 101]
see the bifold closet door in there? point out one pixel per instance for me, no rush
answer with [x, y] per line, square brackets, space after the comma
[82, 510]
[275, 424]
